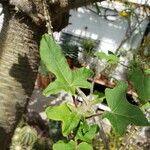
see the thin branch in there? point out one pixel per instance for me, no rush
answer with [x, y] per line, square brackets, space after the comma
[124, 65]
[92, 87]
[82, 95]
[128, 35]
[75, 101]
[94, 115]
[103, 135]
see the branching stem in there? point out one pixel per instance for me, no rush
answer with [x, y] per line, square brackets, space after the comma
[82, 95]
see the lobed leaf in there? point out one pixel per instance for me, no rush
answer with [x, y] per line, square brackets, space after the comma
[84, 146]
[87, 132]
[71, 145]
[67, 80]
[70, 119]
[122, 112]
[111, 58]
[141, 83]
[61, 145]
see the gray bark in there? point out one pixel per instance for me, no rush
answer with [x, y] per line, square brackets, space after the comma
[19, 60]
[18, 68]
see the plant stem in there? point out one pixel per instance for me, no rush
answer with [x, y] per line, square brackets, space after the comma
[82, 95]
[94, 115]
[75, 101]
[103, 135]
[124, 65]
[92, 88]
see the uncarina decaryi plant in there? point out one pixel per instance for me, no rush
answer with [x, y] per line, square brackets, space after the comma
[74, 116]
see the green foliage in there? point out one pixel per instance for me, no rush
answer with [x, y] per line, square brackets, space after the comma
[141, 83]
[87, 132]
[110, 58]
[122, 112]
[98, 97]
[146, 106]
[97, 8]
[69, 119]
[83, 146]
[42, 69]
[73, 118]
[147, 72]
[67, 80]
[88, 46]
[61, 145]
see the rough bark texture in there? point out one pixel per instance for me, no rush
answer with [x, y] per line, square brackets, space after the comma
[18, 67]
[19, 60]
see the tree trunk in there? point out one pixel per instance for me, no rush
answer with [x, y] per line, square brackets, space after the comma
[19, 60]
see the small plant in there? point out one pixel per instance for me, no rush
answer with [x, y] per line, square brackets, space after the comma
[88, 46]
[24, 138]
[110, 58]
[78, 131]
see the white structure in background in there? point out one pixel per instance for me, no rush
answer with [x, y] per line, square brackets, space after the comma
[143, 2]
[109, 31]
[1, 17]
[85, 22]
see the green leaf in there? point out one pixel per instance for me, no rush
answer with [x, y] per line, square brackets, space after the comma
[147, 71]
[98, 97]
[146, 106]
[84, 146]
[80, 77]
[71, 145]
[141, 83]
[122, 112]
[111, 58]
[61, 145]
[86, 133]
[70, 119]
[43, 69]
[54, 59]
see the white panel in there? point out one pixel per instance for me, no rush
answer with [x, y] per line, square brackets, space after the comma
[147, 2]
[1, 17]
[85, 23]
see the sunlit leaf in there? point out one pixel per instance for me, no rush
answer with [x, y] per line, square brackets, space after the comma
[61, 145]
[66, 79]
[86, 132]
[98, 97]
[122, 112]
[84, 146]
[110, 58]
[141, 83]
[147, 71]
[69, 119]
